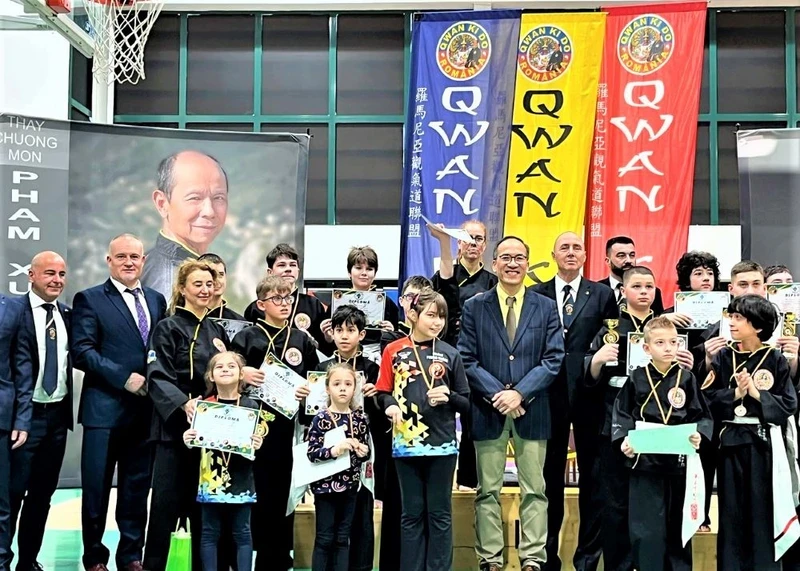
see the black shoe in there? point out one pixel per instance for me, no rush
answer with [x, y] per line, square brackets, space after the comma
[36, 566]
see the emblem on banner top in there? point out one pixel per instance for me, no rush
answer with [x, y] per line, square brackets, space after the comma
[645, 44]
[463, 50]
[544, 53]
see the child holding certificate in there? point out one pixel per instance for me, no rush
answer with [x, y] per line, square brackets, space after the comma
[422, 385]
[348, 324]
[227, 487]
[750, 392]
[273, 529]
[335, 496]
[606, 366]
[661, 393]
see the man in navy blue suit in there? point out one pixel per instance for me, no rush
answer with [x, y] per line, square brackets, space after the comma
[35, 467]
[16, 390]
[583, 305]
[512, 347]
[111, 327]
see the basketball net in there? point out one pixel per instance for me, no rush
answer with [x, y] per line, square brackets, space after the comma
[121, 28]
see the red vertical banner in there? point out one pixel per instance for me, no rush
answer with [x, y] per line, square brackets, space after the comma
[642, 171]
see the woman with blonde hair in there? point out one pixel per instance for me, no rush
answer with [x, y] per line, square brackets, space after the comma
[180, 349]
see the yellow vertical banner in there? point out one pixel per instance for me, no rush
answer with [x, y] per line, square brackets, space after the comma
[558, 69]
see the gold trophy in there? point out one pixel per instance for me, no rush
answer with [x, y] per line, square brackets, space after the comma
[611, 337]
[789, 330]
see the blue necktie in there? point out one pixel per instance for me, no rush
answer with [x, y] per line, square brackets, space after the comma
[50, 378]
[141, 316]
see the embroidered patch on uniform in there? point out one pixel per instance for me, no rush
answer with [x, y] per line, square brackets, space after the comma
[294, 357]
[763, 380]
[302, 321]
[219, 344]
[151, 357]
[676, 397]
[709, 380]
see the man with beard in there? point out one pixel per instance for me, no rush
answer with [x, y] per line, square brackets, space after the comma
[583, 305]
[621, 256]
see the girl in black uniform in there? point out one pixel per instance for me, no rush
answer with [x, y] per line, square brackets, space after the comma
[180, 349]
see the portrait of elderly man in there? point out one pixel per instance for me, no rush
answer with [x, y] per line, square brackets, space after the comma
[192, 200]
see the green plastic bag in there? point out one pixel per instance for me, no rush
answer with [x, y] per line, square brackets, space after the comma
[180, 549]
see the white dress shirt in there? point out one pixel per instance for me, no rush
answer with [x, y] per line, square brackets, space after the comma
[131, 302]
[39, 322]
[614, 284]
[574, 284]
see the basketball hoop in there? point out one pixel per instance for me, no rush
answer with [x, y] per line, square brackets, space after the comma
[121, 28]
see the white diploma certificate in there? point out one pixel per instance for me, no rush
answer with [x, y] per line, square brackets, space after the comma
[225, 427]
[457, 233]
[317, 400]
[372, 303]
[278, 387]
[636, 355]
[704, 307]
[304, 471]
[785, 296]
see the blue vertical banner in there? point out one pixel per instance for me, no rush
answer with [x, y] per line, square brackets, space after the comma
[458, 128]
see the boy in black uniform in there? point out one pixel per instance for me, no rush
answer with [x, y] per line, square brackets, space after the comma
[273, 530]
[662, 393]
[218, 307]
[606, 365]
[307, 312]
[750, 392]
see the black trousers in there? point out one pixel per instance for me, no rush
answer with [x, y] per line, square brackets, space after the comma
[334, 517]
[273, 530]
[467, 474]
[744, 479]
[5, 501]
[708, 457]
[586, 428]
[104, 449]
[176, 473]
[656, 517]
[390, 520]
[362, 532]
[35, 468]
[426, 487]
[615, 533]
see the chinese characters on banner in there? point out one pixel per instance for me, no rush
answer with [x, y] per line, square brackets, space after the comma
[558, 68]
[642, 166]
[457, 128]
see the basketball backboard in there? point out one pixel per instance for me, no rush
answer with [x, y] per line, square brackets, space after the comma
[74, 25]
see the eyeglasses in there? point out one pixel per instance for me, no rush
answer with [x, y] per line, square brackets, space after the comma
[278, 300]
[478, 239]
[507, 258]
[408, 296]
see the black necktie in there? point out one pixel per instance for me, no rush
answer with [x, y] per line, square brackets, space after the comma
[568, 308]
[620, 298]
[50, 378]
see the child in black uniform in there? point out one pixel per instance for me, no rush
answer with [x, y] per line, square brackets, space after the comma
[606, 365]
[662, 393]
[750, 392]
[273, 530]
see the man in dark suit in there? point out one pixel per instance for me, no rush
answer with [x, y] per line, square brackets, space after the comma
[111, 327]
[582, 307]
[512, 347]
[16, 392]
[35, 467]
[621, 256]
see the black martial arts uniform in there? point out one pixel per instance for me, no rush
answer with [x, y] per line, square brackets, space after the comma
[273, 530]
[308, 313]
[744, 473]
[180, 349]
[614, 474]
[658, 481]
